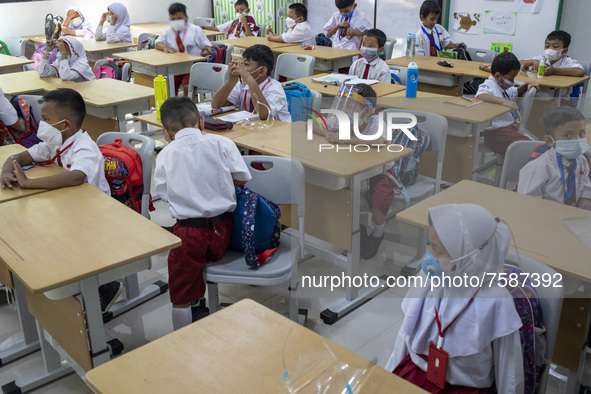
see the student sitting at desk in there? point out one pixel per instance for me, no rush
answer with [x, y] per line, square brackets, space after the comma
[118, 20]
[499, 89]
[63, 143]
[371, 66]
[9, 118]
[347, 25]
[243, 26]
[427, 42]
[71, 63]
[478, 327]
[298, 28]
[185, 37]
[561, 173]
[202, 205]
[250, 87]
[76, 24]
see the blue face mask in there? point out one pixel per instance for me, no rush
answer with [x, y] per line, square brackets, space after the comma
[571, 149]
[347, 15]
[431, 265]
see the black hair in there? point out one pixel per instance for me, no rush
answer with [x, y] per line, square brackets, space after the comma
[378, 34]
[504, 63]
[262, 55]
[69, 102]
[559, 116]
[343, 3]
[241, 2]
[177, 7]
[367, 92]
[300, 10]
[178, 113]
[560, 35]
[429, 7]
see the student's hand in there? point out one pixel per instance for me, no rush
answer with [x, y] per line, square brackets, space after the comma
[243, 20]
[62, 48]
[332, 137]
[168, 49]
[549, 70]
[461, 45]
[353, 32]
[533, 85]
[103, 18]
[49, 46]
[344, 24]
[8, 179]
[113, 19]
[270, 32]
[511, 104]
[206, 51]
[21, 178]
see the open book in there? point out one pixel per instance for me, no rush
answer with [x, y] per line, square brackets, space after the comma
[333, 79]
[205, 109]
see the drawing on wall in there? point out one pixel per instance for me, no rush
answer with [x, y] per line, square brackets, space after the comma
[500, 22]
[467, 22]
[531, 6]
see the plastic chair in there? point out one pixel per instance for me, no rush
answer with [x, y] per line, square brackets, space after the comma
[550, 299]
[142, 38]
[283, 184]
[35, 106]
[292, 66]
[516, 157]
[27, 48]
[585, 85]
[144, 146]
[207, 77]
[526, 105]
[481, 55]
[201, 21]
[125, 74]
[389, 47]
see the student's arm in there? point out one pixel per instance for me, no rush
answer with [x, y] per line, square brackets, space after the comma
[19, 125]
[489, 98]
[532, 177]
[212, 28]
[65, 179]
[354, 33]
[68, 32]
[527, 86]
[256, 94]
[65, 72]
[247, 30]
[274, 37]
[111, 36]
[238, 168]
[45, 69]
[508, 362]
[220, 98]
[566, 72]
[530, 63]
[8, 179]
[165, 48]
[160, 185]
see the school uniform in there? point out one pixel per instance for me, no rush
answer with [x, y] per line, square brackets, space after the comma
[429, 41]
[235, 28]
[120, 32]
[75, 69]
[564, 62]
[193, 199]
[84, 29]
[273, 92]
[357, 21]
[542, 178]
[8, 114]
[301, 32]
[503, 130]
[376, 69]
[79, 152]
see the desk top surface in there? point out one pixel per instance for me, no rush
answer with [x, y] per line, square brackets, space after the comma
[244, 341]
[536, 224]
[35, 172]
[156, 58]
[24, 82]
[319, 52]
[381, 88]
[11, 61]
[90, 44]
[247, 42]
[436, 103]
[159, 28]
[78, 232]
[105, 92]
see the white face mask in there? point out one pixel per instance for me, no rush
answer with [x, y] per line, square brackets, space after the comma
[178, 25]
[552, 54]
[289, 22]
[109, 19]
[239, 15]
[76, 22]
[369, 53]
[49, 134]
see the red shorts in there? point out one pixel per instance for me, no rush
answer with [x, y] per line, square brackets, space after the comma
[181, 80]
[498, 140]
[186, 262]
[381, 193]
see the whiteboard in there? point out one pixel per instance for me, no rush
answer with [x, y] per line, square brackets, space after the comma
[530, 32]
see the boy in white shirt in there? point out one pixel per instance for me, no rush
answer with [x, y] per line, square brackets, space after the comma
[556, 61]
[347, 25]
[250, 83]
[561, 173]
[243, 26]
[432, 37]
[298, 28]
[185, 37]
[371, 66]
[499, 89]
[201, 204]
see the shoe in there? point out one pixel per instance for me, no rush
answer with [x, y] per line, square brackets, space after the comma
[199, 310]
[369, 248]
[108, 294]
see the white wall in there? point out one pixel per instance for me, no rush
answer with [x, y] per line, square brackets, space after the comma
[28, 18]
[575, 20]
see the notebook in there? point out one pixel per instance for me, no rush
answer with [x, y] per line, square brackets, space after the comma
[333, 79]
[205, 109]
[356, 80]
[236, 116]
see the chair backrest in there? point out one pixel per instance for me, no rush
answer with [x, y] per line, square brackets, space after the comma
[516, 157]
[262, 30]
[27, 48]
[389, 47]
[294, 66]
[201, 21]
[35, 106]
[316, 100]
[229, 49]
[587, 68]
[142, 38]
[207, 77]
[481, 55]
[144, 146]
[550, 299]
[400, 72]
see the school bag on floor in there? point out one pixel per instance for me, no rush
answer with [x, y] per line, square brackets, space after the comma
[532, 331]
[113, 69]
[256, 227]
[26, 138]
[299, 101]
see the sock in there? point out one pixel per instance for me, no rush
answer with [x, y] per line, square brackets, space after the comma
[378, 230]
[181, 317]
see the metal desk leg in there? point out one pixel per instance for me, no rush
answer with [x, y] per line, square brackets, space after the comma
[31, 340]
[476, 137]
[171, 86]
[99, 351]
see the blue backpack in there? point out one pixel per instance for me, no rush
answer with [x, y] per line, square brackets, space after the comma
[256, 227]
[323, 41]
[218, 54]
[300, 107]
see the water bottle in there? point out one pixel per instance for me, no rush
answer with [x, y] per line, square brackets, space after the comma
[541, 68]
[160, 93]
[412, 80]
[410, 46]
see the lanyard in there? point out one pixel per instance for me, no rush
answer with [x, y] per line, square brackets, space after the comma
[58, 155]
[569, 183]
[343, 30]
[442, 333]
[246, 106]
[440, 47]
[235, 25]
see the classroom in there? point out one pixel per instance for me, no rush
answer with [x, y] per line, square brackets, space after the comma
[260, 196]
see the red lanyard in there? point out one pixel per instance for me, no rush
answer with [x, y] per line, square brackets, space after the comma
[251, 104]
[442, 333]
[179, 40]
[58, 155]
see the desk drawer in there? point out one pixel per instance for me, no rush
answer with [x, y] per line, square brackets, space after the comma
[325, 180]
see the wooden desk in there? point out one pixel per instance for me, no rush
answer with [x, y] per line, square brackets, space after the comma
[159, 28]
[247, 42]
[152, 62]
[340, 58]
[11, 64]
[245, 333]
[381, 88]
[25, 82]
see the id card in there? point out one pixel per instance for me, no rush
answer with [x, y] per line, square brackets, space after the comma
[437, 366]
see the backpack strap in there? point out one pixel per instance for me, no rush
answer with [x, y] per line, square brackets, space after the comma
[250, 209]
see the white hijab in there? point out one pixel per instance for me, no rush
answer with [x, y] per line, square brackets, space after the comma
[122, 30]
[78, 60]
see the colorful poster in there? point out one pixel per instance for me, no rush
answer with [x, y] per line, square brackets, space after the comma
[467, 22]
[500, 22]
[530, 6]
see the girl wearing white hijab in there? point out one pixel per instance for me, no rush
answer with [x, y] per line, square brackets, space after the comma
[71, 63]
[482, 337]
[76, 24]
[118, 29]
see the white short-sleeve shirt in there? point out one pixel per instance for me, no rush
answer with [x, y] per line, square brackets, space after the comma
[301, 32]
[492, 87]
[442, 39]
[192, 36]
[273, 92]
[376, 69]
[8, 114]
[236, 33]
[357, 22]
[563, 62]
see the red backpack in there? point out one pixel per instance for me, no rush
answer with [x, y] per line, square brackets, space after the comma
[123, 170]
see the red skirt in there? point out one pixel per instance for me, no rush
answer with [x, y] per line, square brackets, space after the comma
[409, 371]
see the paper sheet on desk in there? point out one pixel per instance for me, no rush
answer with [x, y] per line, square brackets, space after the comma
[355, 81]
[581, 227]
[237, 116]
